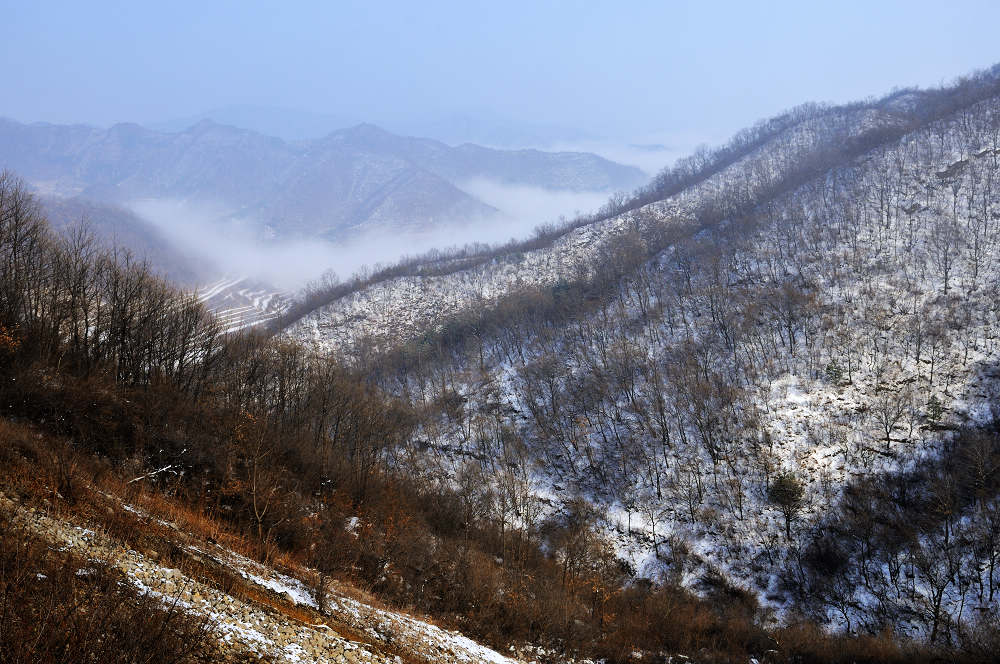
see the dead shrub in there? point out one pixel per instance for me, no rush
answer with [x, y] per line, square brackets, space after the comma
[55, 608]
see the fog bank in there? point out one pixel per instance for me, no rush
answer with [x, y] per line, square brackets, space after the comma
[231, 245]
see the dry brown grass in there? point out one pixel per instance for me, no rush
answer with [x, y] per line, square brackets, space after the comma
[51, 612]
[167, 527]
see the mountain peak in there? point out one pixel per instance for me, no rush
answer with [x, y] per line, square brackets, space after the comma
[209, 125]
[363, 131]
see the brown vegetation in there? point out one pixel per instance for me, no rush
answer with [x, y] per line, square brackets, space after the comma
[55, 608]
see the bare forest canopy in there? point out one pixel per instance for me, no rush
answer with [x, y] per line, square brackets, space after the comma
[778, 365]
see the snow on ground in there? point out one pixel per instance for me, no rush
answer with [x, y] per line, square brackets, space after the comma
[240, 303]
[260, 629]
[821, 425]
[401, 308]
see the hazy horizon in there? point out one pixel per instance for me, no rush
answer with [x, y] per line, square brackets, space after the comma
[643, 72]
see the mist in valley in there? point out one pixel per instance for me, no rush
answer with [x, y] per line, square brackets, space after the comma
[500, 333]
[234, 245]
[650, 153]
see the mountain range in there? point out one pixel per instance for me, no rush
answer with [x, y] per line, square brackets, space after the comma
[482, 126]
[748, 413]
[350, 180]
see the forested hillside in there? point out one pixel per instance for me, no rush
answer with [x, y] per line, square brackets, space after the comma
[747, 413]
[782, 373]
[353, 180]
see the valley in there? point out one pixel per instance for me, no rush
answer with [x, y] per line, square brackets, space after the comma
[309, 399]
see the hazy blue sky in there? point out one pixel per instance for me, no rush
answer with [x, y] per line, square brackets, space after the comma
[623, 69]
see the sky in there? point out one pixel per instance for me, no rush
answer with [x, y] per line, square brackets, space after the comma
[623, 70]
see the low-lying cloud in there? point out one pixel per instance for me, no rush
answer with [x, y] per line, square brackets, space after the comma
[525, 207]
[649, 153]
[208, 232]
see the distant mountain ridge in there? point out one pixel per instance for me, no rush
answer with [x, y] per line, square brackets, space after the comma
[285, 123]
[482, 126]
[353, 179]
[574, 171]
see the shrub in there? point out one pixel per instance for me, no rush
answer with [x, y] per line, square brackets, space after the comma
[51, 610]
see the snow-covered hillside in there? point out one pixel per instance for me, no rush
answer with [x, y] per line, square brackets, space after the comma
[820, 321]
[273, 615]
[399, 309]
